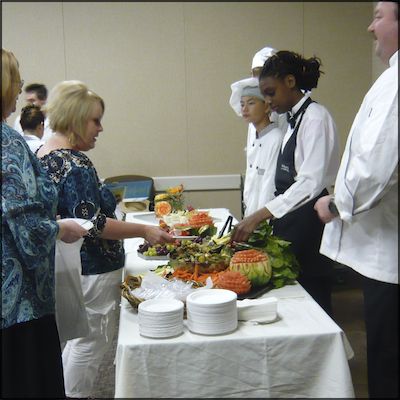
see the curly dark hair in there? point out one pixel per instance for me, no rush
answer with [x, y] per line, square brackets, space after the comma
[283, 63]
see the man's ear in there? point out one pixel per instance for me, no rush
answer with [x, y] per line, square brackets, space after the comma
[290, 81]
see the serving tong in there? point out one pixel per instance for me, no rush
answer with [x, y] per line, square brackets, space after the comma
[228, 224]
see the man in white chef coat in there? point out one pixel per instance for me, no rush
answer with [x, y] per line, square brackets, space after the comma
[256, 66]
[362, 216]
[263, 144]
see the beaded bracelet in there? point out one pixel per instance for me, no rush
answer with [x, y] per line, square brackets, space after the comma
[98, 226]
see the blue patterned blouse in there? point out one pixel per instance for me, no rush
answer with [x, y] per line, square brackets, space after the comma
[82, 195]
[29, 230]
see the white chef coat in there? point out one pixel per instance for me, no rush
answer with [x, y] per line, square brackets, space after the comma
[33, 141]
[365, 237]
[47, 134]
[261, 158]
[316, 158]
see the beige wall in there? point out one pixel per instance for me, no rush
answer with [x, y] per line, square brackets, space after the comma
[165, 69]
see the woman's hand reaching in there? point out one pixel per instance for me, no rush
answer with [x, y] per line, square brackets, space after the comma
[154, 235]
[70, 231]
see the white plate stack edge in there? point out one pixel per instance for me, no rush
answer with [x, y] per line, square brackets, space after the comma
[160, 318]
[212, 311]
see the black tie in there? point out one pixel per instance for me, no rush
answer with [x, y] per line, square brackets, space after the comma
[292, 120]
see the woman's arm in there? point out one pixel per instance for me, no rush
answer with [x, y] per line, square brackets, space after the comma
[27, 218]
[116, 230]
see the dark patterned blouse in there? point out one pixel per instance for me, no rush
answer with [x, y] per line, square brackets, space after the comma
[82, 195]
[29, 230]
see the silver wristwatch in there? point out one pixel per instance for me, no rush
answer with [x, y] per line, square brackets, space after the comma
[332, 207]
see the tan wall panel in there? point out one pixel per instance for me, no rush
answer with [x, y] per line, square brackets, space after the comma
[136, 65]
[221, 39]
[165, 69]
[230, 199]
[34, 33]
[341, 40]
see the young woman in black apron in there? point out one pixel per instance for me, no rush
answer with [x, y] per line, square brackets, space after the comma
[307, 165]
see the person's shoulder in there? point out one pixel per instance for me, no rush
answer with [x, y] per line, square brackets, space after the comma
[81, 159]
[7, 130]
[68, 154]
[388, 80]
[10, 137]
[318, 111]
[276, 132]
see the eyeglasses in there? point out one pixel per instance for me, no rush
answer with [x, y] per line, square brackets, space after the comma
[20, 85]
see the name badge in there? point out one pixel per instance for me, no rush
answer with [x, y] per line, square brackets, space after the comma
[260, 171]
[285, 168]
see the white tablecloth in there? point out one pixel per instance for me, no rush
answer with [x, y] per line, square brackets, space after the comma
[303, 354]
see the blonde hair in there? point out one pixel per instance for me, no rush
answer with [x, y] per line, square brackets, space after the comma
[69, 107]
[10, 81]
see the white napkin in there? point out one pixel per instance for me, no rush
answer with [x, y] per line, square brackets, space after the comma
[262, 310]
[71, 316]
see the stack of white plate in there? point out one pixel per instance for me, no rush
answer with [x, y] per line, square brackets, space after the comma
[212, 311]
[160, 318]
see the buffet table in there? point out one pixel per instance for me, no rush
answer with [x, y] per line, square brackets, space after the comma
[303, 354]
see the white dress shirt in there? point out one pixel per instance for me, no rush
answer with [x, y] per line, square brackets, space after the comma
[316, 158]
[365, 237]
[261, 157]
[33, 141]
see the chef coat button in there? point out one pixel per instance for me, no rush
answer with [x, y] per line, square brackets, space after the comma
[253, 144]
[260, 144]
[256, 167]
[251, 165]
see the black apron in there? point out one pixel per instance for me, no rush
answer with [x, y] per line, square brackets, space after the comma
[301, 227]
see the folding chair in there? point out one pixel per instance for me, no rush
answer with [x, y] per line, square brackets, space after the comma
[144, 187]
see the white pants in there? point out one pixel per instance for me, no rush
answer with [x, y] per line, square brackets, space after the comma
[82, 356]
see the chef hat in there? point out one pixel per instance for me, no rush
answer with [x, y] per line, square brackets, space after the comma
[245, 87]
[261, 56]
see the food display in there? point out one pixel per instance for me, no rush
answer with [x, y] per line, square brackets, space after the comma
[201, 258]
[158, 251]
[254, 264]
[162, 208]
[168, 202]
[189, 222]
[233, 280]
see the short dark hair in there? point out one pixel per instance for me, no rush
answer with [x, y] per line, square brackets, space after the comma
[38, 88]
[31, 117]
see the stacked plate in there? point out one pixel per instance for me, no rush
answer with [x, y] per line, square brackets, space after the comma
[160, 318]
[212, 311]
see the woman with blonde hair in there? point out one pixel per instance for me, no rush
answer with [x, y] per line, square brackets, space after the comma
[75, 114]
[31, 353]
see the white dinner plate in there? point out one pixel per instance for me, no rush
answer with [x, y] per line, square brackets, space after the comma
[161, 305]
[85, 223]
[211, 296]
[184, 237]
